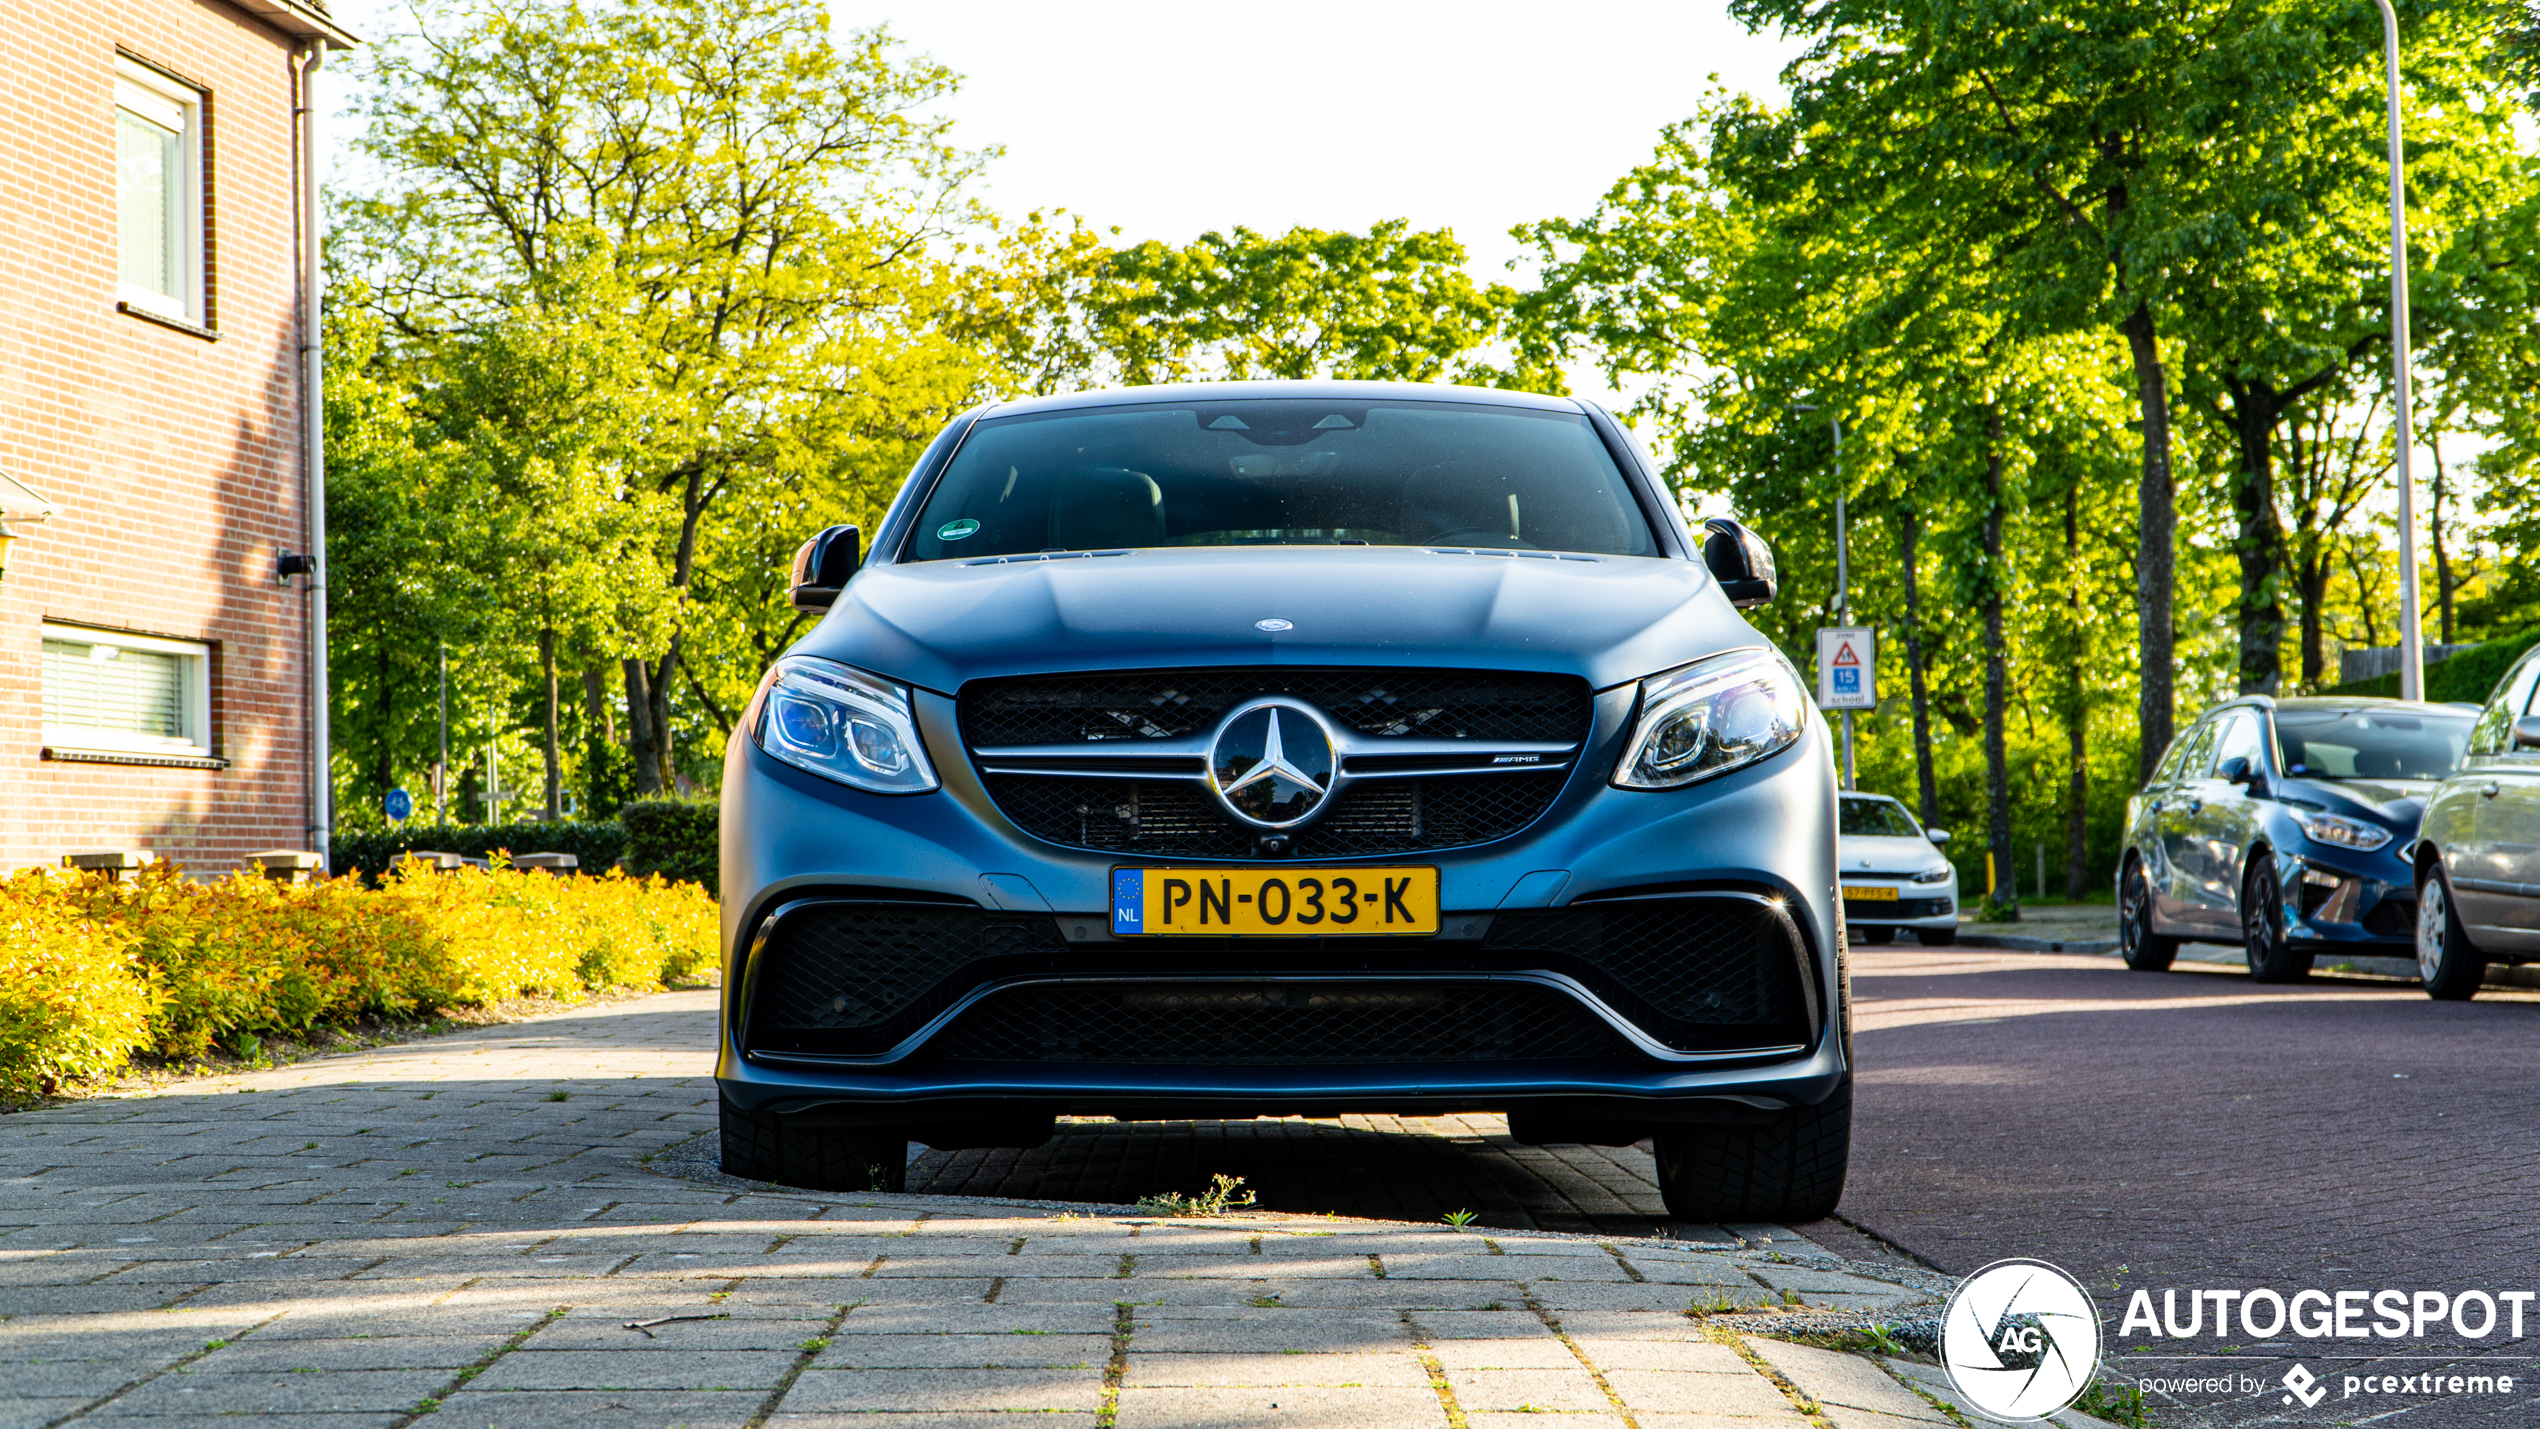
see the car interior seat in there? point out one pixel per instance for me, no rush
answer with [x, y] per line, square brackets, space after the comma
[1102, 507]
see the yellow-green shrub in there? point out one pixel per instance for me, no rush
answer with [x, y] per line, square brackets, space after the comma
[73, 1002]
[211, 961]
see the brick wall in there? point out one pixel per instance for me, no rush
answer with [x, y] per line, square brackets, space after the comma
[175, 460]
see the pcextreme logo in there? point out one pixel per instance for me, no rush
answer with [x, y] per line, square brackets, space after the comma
[2020, 1339]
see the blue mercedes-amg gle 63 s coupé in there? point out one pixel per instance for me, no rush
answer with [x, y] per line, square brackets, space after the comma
[1286, 748]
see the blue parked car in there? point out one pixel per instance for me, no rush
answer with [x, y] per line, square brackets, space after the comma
[1286, 748]
[2284, 826]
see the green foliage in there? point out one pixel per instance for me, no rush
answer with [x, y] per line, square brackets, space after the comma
[596, 843]
[73, 1000]
[2467, 678]
[678, 839]
[1219, 1198]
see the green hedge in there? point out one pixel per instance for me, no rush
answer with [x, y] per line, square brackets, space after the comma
[676, 838]
[2469, 677]
[598, 843]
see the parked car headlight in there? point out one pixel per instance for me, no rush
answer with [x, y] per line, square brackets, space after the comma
[2340, 833]
[1710, 717]
[1934, 875]
[840, 723]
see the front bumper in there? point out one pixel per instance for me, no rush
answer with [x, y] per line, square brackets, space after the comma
[2363, 902]
[1763, 834]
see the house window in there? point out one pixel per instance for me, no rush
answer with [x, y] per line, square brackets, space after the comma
[138, 694]
[159, 183]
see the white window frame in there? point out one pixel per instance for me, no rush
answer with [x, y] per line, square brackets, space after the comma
[151, 95]
[195, 743]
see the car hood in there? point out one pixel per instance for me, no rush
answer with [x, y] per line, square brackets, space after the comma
[937, 624]
[2397, 803]
[1865, 853]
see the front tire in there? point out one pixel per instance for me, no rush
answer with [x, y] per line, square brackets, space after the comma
[762, 1146]
[2272, 956]
[1936, 937]
[2447, 964]
[1785, 1171]
[2144, 950]
[1876, 936]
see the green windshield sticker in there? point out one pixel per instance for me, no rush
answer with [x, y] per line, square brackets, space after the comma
[955, 530]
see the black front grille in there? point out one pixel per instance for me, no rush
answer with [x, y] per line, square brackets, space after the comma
[1698, 973]
[2392, 918]
[1168, 704]
[1275, 1024]
[1882, 910]
[855, 978]
[1168, 818]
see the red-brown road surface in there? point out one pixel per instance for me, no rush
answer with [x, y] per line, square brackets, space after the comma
[2195, 1130]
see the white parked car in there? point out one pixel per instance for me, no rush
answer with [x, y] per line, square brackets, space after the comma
[1893, 873]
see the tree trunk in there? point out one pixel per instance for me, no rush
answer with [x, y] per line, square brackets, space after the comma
[2259, 542]
[2442, 558]
[1997, 774]
[2310, 580]
[665, 774]
[2077, 707]
[640, 744]
[2154, 572]
[599, 737]
[1929, 808]
[555, 724]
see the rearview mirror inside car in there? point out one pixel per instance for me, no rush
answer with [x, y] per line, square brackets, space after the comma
[823, 565]
[1740, 561]
[1939, 837]
[2527, 732]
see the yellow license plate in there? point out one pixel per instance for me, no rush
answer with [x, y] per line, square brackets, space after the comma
[1868, 895]
[1274, 902]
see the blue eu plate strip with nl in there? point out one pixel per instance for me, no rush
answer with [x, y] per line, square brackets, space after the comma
[1128, 902]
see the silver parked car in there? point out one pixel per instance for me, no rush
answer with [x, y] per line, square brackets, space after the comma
[2477, 854]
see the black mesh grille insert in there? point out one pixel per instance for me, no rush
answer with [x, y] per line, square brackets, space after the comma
[857, 977]
[1275, 1024]
[1164, 704]
[1173, 818]
[1686, 970]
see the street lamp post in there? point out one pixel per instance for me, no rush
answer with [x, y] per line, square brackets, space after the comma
[1842, 571]
[2411, 639]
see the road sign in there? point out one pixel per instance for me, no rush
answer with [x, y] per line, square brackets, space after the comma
[401, 806]
[1847, 668]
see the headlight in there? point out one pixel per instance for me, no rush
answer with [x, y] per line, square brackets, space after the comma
[841, 723]
[1933, 875]
[1711, 717]
[2340, 833]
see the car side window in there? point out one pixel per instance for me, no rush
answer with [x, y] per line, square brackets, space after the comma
[2167, 771]
[2239, 735]
[2494, 732]
[2191, 760]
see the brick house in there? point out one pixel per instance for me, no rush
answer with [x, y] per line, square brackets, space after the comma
[157, 445]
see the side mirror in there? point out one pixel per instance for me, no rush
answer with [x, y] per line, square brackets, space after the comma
[1939, 837]
[1740, 561]
[823, 565]
[2236, 770]
[2527, 732]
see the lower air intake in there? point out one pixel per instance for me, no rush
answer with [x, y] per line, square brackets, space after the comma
[1275, 1025]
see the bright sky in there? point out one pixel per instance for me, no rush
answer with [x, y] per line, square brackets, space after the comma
[1168, 119]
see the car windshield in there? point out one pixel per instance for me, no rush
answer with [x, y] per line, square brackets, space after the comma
[1282, 472]
[2370, 743]
[1878, 818]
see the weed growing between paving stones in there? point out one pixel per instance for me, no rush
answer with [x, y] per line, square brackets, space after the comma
[1460, 1219]
[2120, 1405]
[1218, 1199]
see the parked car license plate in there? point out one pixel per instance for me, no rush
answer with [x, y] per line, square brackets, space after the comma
[1861, 894]
[1273, 902]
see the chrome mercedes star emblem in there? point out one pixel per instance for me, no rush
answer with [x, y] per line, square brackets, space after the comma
[1271, 764]
[1274, 625]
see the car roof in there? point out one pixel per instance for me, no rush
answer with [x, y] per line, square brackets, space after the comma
[1874, 798]
[2356, 702]
[1306, 390]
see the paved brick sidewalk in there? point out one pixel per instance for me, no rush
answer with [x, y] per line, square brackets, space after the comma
[459, 1231]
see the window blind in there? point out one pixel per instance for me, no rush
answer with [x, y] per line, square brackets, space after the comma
[114, 691]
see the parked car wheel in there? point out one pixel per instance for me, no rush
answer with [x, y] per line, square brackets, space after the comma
[2272, 956]
[760, 1146]
[2144, 950]
[1785, 1171]
[2450, 968]
[1936, 937]
[1876, 935]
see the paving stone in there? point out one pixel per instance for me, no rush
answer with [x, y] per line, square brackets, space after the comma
[1538, 1390]
[1537, 1421]
[1541, 1352]
[1302, 1367]
[653, 1369]
[33, 1412]
[944, 1351]
[946, 1390]
[1268, 1332]
[1287, 1407]
[202, 1396]
[263, 1354]
[1696, 1356]
[1648, 1392]
[473, 1408]
[1846, 1380]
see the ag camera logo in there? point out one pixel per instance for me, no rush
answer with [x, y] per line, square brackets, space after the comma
[2020, 1339]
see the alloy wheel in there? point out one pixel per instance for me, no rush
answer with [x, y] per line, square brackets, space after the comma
[2434, 913]
[2259, 928]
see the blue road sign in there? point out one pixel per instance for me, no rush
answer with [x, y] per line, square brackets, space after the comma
[401, 806]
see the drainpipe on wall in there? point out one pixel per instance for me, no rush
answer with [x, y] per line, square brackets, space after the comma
[313, 451]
